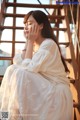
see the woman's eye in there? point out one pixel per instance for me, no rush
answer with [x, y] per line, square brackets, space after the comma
[29, 23]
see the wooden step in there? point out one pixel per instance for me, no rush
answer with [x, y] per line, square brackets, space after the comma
[9, 41]
[11, 27]
[59, 17]
[72, 81]
[76, 105]
[13, 15]
[64, 43]
[22, 15]
[6, 58]
[68, 60]
[1, 78]
[33, 5]
[59, 29]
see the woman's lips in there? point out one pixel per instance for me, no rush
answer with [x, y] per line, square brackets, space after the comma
[26, 32]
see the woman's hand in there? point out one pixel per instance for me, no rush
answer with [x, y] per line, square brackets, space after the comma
[31, 35]
[32, 32]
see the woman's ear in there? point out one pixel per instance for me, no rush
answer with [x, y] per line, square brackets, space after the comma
[41, 26]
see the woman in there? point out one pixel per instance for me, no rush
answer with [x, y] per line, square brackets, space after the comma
[35, 87]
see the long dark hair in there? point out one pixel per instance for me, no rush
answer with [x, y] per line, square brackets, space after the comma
[47, 32]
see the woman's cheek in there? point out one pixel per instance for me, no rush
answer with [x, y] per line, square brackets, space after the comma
[30, 28]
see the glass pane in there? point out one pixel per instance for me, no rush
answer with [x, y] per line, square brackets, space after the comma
[7, 35]
[19, 22]
[35, 1]
[63, 50]
[62, 36]
[19, 47]
[3, 66]
[52, 25]
[9, 10]
[28, 1]
[5, 49]
[8, 21]
[45, 1]
[73, 35]
[54, 32]
[20, 10]
[10, 1]
[19, 36]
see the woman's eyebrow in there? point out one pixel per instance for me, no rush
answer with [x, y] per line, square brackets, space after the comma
[29, 21]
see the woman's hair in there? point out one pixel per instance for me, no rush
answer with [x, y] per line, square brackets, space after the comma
[47, 32]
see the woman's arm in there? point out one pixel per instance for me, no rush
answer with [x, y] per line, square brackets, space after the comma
[32, 35]
[24, 51]
[40, 58]
[29, 50]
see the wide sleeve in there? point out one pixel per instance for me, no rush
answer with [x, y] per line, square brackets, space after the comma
[40, 58]
[17, 59]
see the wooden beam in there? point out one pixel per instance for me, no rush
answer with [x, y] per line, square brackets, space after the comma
[4, 41]
[6, 58]
[33, 5]
[22, 15]
[71, 47]
[21, 28]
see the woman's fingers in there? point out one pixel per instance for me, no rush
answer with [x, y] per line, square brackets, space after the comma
[33, 32]
[35, 28]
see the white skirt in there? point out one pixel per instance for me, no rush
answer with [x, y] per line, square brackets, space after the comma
[29, 96]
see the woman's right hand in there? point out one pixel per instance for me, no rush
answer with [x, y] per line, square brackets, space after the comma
[32, 32]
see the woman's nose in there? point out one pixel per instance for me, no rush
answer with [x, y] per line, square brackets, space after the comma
[26, 27]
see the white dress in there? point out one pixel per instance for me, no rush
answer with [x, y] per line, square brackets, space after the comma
[37, 88]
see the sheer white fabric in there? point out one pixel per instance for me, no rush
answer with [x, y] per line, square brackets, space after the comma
[37, 88]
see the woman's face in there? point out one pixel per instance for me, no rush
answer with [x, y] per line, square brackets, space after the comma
[31, 22]
[31, 25]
